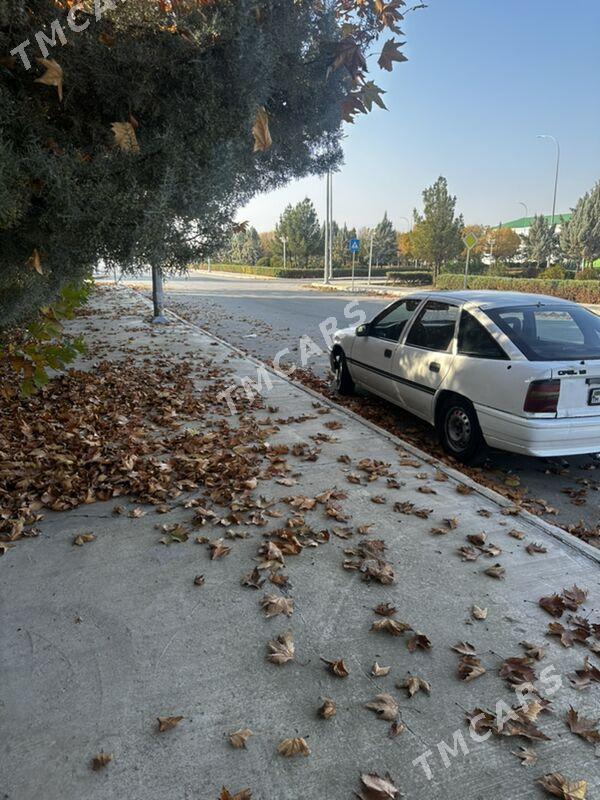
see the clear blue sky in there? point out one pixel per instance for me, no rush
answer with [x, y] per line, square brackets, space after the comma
[483, 78]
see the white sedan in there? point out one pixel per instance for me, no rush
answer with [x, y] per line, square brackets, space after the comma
[519, 372]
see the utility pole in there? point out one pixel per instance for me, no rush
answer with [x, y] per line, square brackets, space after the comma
[330, 226]
[555, 140]
[370, 259]
[283, 239]
[326, 231]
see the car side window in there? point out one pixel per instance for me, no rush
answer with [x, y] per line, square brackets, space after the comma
[391, 324]
[475, 341]
[434, 327]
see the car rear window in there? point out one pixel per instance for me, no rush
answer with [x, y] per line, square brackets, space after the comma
[550, 333]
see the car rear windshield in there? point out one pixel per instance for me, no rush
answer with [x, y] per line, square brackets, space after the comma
[550, 333]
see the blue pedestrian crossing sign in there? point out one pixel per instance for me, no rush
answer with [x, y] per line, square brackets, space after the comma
[354, 245]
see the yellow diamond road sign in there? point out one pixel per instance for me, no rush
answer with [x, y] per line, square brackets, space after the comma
[470, 241]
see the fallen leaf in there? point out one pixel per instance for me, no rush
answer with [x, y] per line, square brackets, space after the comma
[469, 668]
[199, 580]
[479, 613]
[497, 571]
[414, 684]
[35, 262]
[418, 641]
[101, 760]
[584, 728]
[83, 538]
[528, 757]
[385, 706]
[535, 547]
[281, 649]
[574, 597]
[253, 579]
[396, 728]
[391, 626]
[244, 794]
[239, 738]
[293, 747]
[328, 709]
[464, 648]
[559, 786]
[218, 549]
[553, 604]
[375, 788]
[166, 723]
[378, 671]
[385, 610]
[273, 605]
[125, 137]
[337, 668]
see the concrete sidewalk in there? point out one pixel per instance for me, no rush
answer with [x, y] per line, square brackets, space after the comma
[98, 641]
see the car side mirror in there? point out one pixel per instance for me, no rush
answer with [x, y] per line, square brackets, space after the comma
[363, 330]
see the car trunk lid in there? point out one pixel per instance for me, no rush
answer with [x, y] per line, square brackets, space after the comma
[579, 388]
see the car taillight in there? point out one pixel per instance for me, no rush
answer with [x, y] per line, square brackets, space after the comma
[542, 397]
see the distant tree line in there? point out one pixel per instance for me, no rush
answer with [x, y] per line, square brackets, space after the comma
[435, 241]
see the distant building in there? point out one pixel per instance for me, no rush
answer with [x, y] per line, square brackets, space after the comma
[522, 225]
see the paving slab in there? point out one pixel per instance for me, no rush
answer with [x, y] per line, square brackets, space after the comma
[98, 641]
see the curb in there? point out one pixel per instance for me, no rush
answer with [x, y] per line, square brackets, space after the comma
[553, 531]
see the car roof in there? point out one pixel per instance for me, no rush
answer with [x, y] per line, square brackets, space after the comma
[494, 299]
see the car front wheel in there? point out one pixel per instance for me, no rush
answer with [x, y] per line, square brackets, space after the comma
[341, 374]
[459, 430]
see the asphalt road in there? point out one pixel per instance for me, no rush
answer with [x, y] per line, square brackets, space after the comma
[265, 316]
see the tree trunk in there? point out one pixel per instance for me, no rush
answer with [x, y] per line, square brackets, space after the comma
[158, 296]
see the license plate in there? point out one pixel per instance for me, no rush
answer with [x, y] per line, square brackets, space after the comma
[594, 397]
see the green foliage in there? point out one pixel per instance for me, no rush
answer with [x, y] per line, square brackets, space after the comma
[41, 345]
[264, 261]
[437, 233]
[190, 78]
[555, 272]
[244, 247]
[580, 236]
[578, 291]
[300, 227]
[476, 267]
[385, 246]
[540, 242]
[410, 277]
[587, 274]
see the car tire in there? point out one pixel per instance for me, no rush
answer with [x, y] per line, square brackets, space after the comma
[342, 379]
[459, 430]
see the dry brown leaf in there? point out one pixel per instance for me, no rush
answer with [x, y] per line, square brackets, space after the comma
[83, 538]
[385, 706]
[261, 132]
[101, 760]
[125, 137]
[378, 671]
[559, 786]
[574, 597]
[199, 580]
[479, 613]
[239, 738]
[385, 610]
[535, 547]
[253, 579]
[464, 648]
[396, 728]
[337, 667]
[553, 604]
[273, 605]
[418, 642]
[35, 262]
[281, 649]
[328, 709]
[469, 668]
[53, 76]
[391, 626]
[527, 755]
[414, 684]
[166, 723]
[218, 549]
[497, 571]
[244, 794]
[374, 787]
[584, 728]
[293, 747]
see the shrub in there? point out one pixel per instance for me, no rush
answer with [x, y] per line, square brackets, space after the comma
[587, 274]
[411, 278]
[555, 272]
[264, 261]
[578, 291]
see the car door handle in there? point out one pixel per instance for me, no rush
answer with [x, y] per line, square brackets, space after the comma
[387, 353]
[434, 366]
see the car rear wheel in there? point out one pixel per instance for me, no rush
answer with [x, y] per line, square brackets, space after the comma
[459, 430]
[341, 374]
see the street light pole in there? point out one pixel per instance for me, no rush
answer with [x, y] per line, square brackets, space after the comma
[521, 203]
[370, 259]
[284, 242]
[555, 140]
[326, 231]
[330, 226]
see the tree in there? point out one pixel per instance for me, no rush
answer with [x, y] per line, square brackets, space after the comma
[251, 249]
[504, 244]
[384, 242]
[134, 143]
[437, 232]
[300, 226]
[404, 246]
[580, 236]
[540, 242]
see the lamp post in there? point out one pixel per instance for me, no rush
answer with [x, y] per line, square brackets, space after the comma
[283, 240]
[555, 140]
[521, 203]
[326, 231]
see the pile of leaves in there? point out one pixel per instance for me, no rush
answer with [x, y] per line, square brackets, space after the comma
[120, 431]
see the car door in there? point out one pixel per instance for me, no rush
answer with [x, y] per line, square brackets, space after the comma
[426, 355]
[372, 361]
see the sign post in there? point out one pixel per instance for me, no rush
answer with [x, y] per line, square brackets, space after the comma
[469, 241]
[354, 247]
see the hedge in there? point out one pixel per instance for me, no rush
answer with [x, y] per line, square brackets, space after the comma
[578, 291]
[279, 272]
[413, 278]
